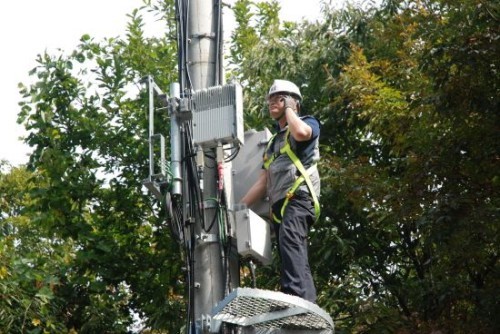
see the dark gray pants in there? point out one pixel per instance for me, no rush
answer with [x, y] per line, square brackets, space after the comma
[291, 234]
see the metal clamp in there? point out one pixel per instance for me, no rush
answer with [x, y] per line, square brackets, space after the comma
[203, 35]
[207, 238]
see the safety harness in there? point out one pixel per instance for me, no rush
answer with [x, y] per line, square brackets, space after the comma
[304, 175]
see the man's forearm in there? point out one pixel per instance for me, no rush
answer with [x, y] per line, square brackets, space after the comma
[256, 192]
[299, 129]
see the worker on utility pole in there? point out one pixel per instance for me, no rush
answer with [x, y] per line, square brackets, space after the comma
[290, 179]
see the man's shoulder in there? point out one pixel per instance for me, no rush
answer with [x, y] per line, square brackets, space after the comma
[313, 122]
[309, 118]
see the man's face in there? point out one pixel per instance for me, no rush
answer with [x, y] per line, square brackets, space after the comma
[276, 105]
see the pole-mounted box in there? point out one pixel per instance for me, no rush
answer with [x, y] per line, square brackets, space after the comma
[218, 116]
[253, 235]
[247, 167]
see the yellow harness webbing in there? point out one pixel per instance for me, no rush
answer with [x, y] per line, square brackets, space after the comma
[304, 176]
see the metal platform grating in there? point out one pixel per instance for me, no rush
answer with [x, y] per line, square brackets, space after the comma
[263, 309]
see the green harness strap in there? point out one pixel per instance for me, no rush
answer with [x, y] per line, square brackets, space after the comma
[269, 160]
[304, 176]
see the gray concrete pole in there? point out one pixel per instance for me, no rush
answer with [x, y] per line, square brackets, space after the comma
[202, 59]
[202, 49]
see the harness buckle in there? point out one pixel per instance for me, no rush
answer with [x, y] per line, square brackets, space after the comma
[290, 195]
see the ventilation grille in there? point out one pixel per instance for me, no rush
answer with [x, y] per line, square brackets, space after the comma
[218, 116]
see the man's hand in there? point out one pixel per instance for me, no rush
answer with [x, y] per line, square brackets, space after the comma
[290, 102]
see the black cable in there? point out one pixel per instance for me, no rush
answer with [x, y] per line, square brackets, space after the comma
[188, 236]
[193, 240]
[210, 156]
[186, 43]
[174, 225]
[234, 154]
[180, 38]
[226, 246]
[193, 179]
[214, 219]
[188, 271]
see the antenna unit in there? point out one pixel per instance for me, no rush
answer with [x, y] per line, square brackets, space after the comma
[218, 116]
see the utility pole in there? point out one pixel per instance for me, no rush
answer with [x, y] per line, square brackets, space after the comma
[204, 56]
[206, 120]
[204, 34]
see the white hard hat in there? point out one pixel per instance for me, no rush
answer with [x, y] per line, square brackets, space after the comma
[285, 86]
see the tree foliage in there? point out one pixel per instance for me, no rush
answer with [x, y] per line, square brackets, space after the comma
[103, 249]
[407, 93]
[408, 96]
